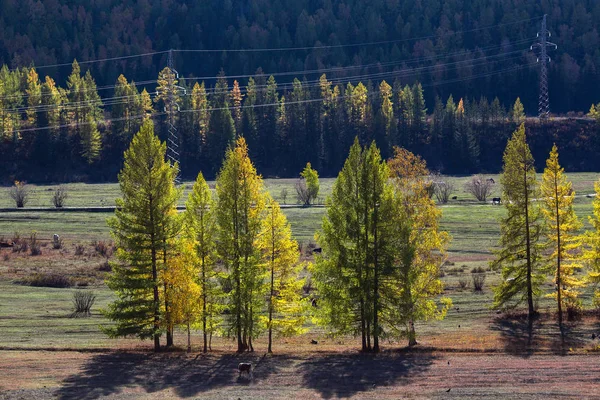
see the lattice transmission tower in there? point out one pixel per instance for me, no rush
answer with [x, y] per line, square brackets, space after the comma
[172, 109]
[542, 46]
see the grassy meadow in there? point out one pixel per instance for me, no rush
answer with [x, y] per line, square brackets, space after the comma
[38, 317]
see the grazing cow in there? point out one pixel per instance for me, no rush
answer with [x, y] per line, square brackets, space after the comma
[454, 197]
[313, 302]
[496, 200]
[490, 180]
[313, 341]
[245, 367]
[318, 250]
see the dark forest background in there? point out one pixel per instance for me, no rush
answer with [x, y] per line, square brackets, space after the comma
[477, 51]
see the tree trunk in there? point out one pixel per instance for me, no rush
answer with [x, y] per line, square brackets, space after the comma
[412, 336]
[531, 310]
[270, 350]
[167, 312]
[375, 286]
[204, 302]
[155, 286]
[558, 259]
[189, 348]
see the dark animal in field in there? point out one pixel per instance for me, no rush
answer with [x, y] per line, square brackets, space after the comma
[318, 250]
[496, 200]
[313, 302]
[313, 341]
[491, 180]
[6, 244]
[454, 197]
[245, 367]
[593, 336]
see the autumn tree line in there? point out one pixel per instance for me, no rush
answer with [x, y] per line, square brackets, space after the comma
[50, 133]
[228, 264]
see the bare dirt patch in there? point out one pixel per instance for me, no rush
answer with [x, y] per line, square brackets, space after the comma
[390, 375]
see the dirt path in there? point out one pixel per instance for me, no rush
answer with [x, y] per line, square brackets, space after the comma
[72, 375]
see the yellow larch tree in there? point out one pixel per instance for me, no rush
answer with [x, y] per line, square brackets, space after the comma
[561, 230]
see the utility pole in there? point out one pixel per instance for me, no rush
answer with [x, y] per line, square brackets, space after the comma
[171, 108]
[542, 47]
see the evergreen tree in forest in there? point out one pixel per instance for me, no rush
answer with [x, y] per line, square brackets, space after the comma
[297, 124]
[34, 96]
[386, 126]
[562, 226]
[221, 127]
[520, 255]
[240, 212]
[518, 112]
[141, 219]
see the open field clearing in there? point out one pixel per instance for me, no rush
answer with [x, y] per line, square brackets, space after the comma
[474, 352]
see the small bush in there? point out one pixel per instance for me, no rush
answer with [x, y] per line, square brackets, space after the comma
[463, 283]
[49, 280]
[19, 244]
[59, 196]
[442, 189]
[284, 195]
[479, 187]
[79, 250]
[82, 303]
[478, 270]
[456, 270]
[478, 281]
[20, 194]
[34, 245]
[102, 248]
[6, 257]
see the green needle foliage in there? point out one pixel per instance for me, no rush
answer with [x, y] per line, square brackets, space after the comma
[201, 228]
[144, 216]
[240, 212]
[520, 255]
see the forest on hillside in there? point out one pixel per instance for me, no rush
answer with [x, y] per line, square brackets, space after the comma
[448, 80]
[380, 36]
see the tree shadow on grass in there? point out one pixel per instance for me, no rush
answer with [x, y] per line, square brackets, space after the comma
[521, 338]
[344, 375]
[107, 374]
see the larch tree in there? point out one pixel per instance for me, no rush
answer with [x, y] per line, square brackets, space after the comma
[240, 211]
[282, 258]
[562, 225]
[141, 217]
[201, 228]
[34, 96]
[591, 254]
[420, 247]
[184, 291]
[518, 112]
[356, 256]
[520, 255]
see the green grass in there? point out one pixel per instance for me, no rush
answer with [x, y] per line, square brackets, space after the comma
[39, 317]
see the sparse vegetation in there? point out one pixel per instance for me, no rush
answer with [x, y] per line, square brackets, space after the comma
[478, 281]
[49, 280]
[443, 189]
[83, 301]
[60, 196]
[34, 245]
[20, 194]
[479, 187]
